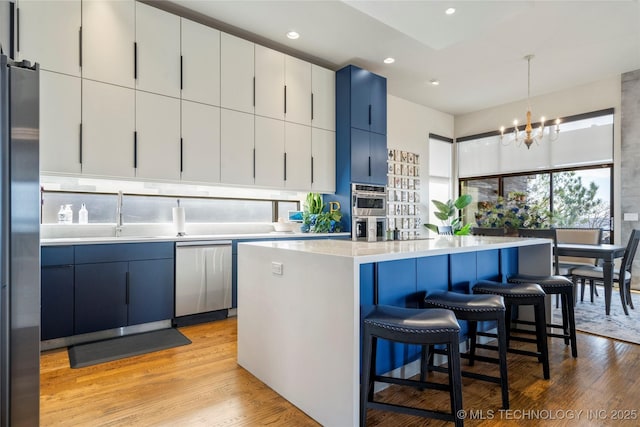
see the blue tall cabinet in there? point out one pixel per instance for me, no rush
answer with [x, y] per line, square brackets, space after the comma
[361, 133]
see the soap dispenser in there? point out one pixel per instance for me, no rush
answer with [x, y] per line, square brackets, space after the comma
[83, 215]
[61, 215]
[68, 214]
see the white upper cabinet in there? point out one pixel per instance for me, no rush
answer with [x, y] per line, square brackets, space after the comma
[269, 83]
[270, 170]
[158, 51]
[49, 33]
[323, 158]
[108, 37]
[236, 73]
[158, 136]
[237, 155]
[108, 128]
[298, 89]
[200, 63]
[60, 117]
[323, 88]
[200, 142]
[297, 147]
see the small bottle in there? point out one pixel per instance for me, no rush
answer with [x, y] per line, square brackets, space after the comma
[396, 234]
[83, 215]
[61, 215]
[68, 214]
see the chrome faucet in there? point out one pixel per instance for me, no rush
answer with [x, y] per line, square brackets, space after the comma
[119, 215]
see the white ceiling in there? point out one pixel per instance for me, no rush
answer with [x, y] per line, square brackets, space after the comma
[477, 53]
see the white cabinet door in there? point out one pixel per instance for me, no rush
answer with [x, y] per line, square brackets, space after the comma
[49, 33]
[237, 156]
[323, 154]
[108, 126]
[323, 84]
[236, 73]
[158, 45]
[200, 142]
[298, 84]
[60, 118]
[269, 83]
[297, 147]
[158, 136]
[269, 152]
[200, 63]
[108, 36]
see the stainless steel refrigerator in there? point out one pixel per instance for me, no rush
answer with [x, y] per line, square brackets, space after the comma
[20, 244]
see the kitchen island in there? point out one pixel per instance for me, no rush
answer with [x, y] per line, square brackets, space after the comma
[301, 303]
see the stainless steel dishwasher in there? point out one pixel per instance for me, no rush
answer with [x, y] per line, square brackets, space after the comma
[203, 276]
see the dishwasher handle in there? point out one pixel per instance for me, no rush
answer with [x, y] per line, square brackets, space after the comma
[204, 243]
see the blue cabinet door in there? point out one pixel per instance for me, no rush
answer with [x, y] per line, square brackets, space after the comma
[360, 98]
[100, 296]
[150, 291]
[56, 310]
[378, 154]
[432, 273]
[360, 156]
[378, 101]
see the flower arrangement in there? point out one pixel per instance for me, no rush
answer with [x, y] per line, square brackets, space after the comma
[512, 213]
[315, 219]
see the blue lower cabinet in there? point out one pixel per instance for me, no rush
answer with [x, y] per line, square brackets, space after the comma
[100, 296]
[151, 294]
[462, 271]
[432, 274]
[56, 310]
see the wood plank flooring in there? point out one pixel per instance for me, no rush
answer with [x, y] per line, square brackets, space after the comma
[202, 385]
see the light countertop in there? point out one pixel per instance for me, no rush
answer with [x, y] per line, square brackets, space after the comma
[187, 238]
[364, 252]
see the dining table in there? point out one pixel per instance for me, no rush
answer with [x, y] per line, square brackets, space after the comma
[608, 253]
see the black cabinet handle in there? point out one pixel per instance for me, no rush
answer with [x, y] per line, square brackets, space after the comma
[285, 99]
[181, 154]
[135, 60]
[80, 140]
[18, 29]
[312, 169]
[369, 165]
[285, 166]
[135, 149]
[369, 113]
[80, 46]
[126, 296]
[311, 105]
[254, 163]
[181, 73]
[254, 91]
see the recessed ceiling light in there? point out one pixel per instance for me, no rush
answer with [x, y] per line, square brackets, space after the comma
[389, 60]
[434, 82]
[292, 35]
[450, 11]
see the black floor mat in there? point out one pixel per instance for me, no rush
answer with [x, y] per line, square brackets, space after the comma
[118, 348]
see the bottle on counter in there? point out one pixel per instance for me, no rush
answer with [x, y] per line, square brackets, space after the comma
[83, 215]
[396, 234]
[61, 215]
[68, 214]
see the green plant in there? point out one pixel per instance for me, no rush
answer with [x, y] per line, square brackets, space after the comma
[316, 219]
[513, 213]
[448, 214]
[314, 204]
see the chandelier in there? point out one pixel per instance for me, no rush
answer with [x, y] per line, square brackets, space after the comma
[529, 136]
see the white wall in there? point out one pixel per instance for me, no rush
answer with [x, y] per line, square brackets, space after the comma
[580, 99]
[408, 128]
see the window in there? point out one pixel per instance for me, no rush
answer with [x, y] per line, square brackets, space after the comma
[440, 172]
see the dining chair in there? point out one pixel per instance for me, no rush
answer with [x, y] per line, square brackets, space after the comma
[445, 230]
[621, 276]
[488, 231]
[585, 236]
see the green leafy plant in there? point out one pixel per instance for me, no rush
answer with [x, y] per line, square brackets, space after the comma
[513, 213]
[316, 219]
[448, 213]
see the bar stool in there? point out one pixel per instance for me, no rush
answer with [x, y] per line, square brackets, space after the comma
[474, 309]
[411, 326]
[553, 285]
[517, 294]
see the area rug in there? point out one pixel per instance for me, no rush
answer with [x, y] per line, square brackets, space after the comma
[591, 317]
[118, 348]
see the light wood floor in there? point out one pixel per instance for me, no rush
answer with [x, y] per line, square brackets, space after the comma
[202, 385]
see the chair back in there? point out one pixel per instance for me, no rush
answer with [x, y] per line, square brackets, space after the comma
[630, 252]
[445, 230]
[544, 233]
[489, 231]
[584, 236]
